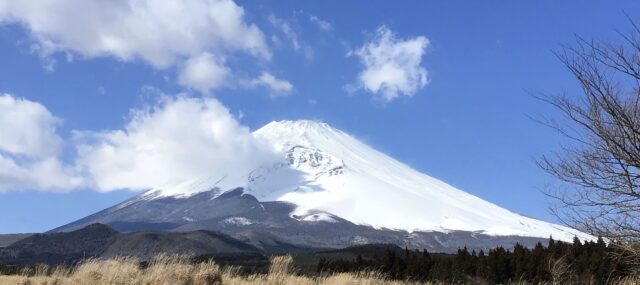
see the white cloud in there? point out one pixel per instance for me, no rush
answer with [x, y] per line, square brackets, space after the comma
[174, 141]
[203, 73]
[27, 128]
[48, 174]
[279, 87]
[30, 147]
[161, 33]
[392, 66]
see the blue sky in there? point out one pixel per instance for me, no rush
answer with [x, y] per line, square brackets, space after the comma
[469, 125]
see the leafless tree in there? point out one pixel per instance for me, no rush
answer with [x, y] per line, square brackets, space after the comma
[601, 162]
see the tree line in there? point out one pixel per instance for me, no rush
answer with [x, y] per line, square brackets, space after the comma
[590, 262]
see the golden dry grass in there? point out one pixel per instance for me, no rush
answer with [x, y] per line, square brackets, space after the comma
[171, 270]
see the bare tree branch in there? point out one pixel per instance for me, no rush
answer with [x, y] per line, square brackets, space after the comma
[601, 164]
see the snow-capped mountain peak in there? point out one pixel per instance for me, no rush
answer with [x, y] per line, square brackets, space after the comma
[325, 169]
[304, 133]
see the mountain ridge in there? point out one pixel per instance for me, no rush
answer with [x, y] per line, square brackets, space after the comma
[100, 240]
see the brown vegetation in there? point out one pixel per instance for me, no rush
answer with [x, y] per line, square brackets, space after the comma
[165, 270]
[181, 271]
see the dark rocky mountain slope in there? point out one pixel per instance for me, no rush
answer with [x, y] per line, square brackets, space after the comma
[8, 239]
[98, 240]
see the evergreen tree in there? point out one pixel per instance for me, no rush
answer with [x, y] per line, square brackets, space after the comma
[590, 262]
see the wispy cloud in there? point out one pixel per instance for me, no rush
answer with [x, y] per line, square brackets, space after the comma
[291, 34]
[278, 87]
[286, 29]
[322, 24]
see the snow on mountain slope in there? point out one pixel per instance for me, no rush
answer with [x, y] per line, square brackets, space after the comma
[325, 169]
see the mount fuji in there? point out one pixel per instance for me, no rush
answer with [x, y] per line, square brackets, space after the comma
[328, 190]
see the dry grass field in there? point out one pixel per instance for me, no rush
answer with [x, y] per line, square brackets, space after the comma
[166, 270]
[177, 271]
